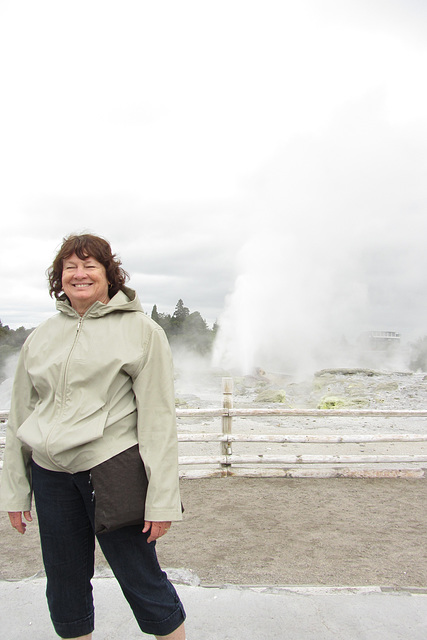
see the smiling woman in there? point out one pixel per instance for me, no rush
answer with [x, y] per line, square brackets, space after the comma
[94, 385]
[84, 282]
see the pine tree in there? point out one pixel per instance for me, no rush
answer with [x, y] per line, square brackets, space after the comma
[155, 314]
[181, 312]
[179, 317]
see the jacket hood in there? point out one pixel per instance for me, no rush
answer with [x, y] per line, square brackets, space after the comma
[124, 300]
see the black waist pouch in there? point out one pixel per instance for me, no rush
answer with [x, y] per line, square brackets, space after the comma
[120, 488]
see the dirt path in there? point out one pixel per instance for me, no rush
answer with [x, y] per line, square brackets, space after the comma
[282, 532]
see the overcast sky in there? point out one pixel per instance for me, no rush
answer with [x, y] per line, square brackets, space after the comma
[257, 159]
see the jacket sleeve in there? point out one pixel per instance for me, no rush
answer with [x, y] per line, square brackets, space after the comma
[157, 434]
[15, 485]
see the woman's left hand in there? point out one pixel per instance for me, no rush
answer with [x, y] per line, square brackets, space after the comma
[158, 529]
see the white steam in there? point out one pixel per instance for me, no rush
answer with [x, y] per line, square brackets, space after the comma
[335, 248]
[6, 385]
[289, 307]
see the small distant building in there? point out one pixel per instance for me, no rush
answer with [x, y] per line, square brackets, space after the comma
[380, 340]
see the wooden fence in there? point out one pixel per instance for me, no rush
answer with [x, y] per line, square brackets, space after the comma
[227, 463]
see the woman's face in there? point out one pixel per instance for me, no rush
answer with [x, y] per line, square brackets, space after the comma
[84, 282]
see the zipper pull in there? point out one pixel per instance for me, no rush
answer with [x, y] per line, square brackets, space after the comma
[79, 325]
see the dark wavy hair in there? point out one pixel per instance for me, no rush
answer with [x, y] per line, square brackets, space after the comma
[84, 246]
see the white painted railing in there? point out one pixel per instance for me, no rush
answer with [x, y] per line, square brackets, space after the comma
[226, 463]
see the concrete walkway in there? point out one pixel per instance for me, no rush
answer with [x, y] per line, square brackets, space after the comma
[235, 613]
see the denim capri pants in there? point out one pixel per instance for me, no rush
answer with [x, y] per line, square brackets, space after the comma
[65, 511]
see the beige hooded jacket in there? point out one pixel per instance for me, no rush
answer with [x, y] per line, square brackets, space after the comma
[87, 388]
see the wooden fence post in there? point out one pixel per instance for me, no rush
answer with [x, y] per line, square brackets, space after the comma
[227, 403]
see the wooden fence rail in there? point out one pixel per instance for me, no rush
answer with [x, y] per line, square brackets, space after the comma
[229, 464]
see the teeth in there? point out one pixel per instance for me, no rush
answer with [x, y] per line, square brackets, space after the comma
[81, 286]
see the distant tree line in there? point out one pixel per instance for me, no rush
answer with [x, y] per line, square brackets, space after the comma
[11, 341]
[186, 329]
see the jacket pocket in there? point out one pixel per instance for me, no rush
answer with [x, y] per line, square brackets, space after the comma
[30, 433]
[71, 435]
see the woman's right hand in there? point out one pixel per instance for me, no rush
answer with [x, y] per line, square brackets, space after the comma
[17, 522]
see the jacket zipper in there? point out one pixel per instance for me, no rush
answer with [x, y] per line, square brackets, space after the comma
[63, 392]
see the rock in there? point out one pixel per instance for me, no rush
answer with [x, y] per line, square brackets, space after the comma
[387, 386]
[336, 402]
[332, 402]
[271, 395]
[183, 576]
[346, 372]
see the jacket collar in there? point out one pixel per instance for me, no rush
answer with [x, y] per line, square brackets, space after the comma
[124, 300]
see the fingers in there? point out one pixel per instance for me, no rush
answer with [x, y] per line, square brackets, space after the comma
[16, 521]
[158, 529]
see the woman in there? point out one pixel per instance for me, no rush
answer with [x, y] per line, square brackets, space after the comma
[91, 382]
